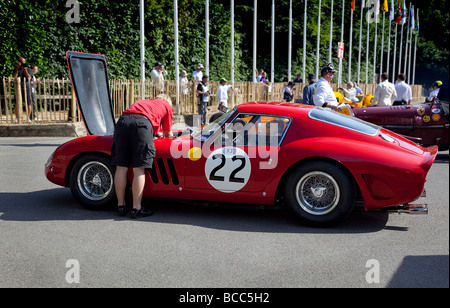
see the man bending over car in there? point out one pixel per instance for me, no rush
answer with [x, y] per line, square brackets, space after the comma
[133, 146]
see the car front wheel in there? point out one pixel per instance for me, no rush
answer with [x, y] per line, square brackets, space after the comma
[320, 194]
[92, 181]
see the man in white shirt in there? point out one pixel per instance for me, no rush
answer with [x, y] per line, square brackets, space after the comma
[222, 94]
[404, 93]
[197, 75]
[157, 74]
[385, 93]
[324, 94]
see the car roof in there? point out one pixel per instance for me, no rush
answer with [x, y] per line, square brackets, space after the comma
[291, 110]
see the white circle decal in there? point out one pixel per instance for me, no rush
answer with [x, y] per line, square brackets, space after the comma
[228, 169]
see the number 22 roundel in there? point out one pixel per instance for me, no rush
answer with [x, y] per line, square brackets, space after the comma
[228, 169]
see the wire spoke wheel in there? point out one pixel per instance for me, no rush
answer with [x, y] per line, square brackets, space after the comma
[95, 181]
[320, 193]
[317, 193]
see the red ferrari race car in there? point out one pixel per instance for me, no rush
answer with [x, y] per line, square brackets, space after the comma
[315, 161]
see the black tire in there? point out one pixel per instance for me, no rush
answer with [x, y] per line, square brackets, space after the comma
[215, 116]
[92, 182]
[320, 194]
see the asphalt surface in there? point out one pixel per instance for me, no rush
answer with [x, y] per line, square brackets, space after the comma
[47, 239]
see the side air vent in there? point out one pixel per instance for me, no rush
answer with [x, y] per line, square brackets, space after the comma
[159, 172]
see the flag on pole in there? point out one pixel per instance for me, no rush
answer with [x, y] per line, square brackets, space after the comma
[411, 23]
[384, 7]
[353, 5]
[392, 12]
[417, 23]
[403, 13]
[398, 12]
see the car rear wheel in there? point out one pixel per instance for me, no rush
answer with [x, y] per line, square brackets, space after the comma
[92, 181]
[320, 194]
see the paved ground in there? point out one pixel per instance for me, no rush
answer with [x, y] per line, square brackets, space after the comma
[43, 229]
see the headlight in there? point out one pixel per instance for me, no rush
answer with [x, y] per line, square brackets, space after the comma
[49, 160]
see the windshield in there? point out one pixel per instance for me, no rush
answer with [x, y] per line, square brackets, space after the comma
[210, 129]
[338, 119]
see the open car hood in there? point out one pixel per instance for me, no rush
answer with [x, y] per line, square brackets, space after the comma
[89, 77]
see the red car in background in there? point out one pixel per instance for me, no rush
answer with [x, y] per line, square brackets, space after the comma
[315, 161]
[425, 124]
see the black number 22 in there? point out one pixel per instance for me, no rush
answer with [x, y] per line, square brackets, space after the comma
[233, 178]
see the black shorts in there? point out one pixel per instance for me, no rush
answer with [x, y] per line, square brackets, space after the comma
[133, 142]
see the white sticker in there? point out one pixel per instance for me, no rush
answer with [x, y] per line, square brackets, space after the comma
[228, 169]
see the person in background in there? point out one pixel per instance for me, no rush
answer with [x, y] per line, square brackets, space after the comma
[25, 74]
[404, 93]
[435, 92]
[157, 74]
[288, 92]
[298, 79]
[350, 92]
[308, 91]
[203, 98]
[324, 94]
[34, 85]
[133, 146]
[385, 93]
[197, 75]
[222, 94]
[358, 89]
[444, 99]
[184, 83]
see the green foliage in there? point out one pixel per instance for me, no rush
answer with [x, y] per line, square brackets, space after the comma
[39, 31]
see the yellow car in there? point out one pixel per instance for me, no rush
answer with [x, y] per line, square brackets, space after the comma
[364, 101]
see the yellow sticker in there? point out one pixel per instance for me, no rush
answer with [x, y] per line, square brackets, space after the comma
[195, 154]
[421, 111]
[426, 118]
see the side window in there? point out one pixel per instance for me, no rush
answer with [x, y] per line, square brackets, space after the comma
[256, 130]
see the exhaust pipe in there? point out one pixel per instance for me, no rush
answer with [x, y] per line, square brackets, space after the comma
[413, 209]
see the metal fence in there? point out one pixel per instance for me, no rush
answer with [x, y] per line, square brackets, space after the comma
[53, 100]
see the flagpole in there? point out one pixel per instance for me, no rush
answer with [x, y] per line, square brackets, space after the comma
[382, 46]
[141, 19]
[318, 39]
[360, 40]
[290, 42]
[375, 43]
[342, 40]
[367, 49]
[411, 20]
[304, 41]
[177, 61]
[406, 49]
[331, 33]
[232, 48]
[415, 49]
[391, 18]
[207, 37]
[395, 51]
[400, 53]
[272, 48]
[255, 5]
[350, 48]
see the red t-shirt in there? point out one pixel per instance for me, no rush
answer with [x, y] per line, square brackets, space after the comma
[158, 111]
